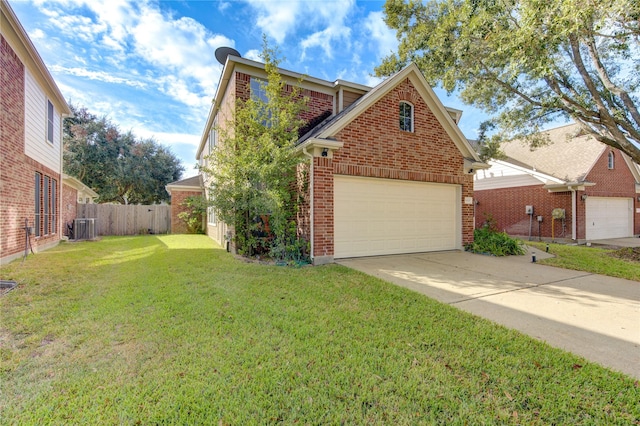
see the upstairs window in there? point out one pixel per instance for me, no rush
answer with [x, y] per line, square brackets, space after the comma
[406, 117]
[49, 121]
[611, 160]
[258, 89]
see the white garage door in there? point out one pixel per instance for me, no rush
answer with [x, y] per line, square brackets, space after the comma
[384, 216]
[608, 217]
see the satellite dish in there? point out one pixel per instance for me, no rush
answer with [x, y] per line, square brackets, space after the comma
[223, 52]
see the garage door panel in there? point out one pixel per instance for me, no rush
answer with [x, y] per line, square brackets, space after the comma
[382, 216]
[608, 217]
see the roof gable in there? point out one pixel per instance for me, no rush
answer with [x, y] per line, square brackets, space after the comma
[330, 127]
[569, 157]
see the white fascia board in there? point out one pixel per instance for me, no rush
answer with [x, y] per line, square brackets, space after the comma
[543, 177]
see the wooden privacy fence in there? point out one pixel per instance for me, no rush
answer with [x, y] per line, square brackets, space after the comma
[114, 219]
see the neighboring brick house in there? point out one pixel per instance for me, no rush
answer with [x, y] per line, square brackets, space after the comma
[179, 191]
[32, 109]
[388, 169]
[74, 192]
[598, 188]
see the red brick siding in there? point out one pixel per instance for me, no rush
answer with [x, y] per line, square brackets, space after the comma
[69, 206]
[374, 146]
[618, 182]
[318, 102]
[323, 206]
[17, 174]
[177, 198]
[507, 207]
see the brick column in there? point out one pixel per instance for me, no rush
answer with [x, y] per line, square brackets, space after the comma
[323, 210]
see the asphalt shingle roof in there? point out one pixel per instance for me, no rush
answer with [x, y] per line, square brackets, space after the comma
[569, 156]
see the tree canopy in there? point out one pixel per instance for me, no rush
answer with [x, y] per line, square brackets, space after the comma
[530, 62]
[252, 170]
[118, 166]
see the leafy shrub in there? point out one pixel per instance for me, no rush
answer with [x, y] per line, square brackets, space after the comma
[195, 210]
[488, 240]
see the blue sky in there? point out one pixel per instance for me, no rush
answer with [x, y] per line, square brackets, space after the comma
[150, 67]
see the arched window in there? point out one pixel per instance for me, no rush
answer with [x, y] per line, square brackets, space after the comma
[611, 160]
[406, 116]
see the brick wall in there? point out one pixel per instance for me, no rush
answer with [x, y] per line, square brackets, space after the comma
[177, 198]
[374, 146]
[618, 182]
[507, 205]
[318, 103]
[17, 174]
[69, 207]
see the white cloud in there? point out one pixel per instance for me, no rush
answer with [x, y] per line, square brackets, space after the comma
[138, 32]
[325, 21]
[254, 55]
[97, 75]
[383, 38]
[38, 34]
[275, 20]
[169, 139]
[324, 39]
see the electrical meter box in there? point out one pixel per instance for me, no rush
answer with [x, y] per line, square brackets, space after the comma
[557, 213]
[528, 209]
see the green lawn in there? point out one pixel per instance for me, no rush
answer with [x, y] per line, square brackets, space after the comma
[589, 259]
[170, 329]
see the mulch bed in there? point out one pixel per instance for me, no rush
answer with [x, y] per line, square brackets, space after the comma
[627, 253]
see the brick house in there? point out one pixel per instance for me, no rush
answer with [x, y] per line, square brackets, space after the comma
[597, 187]
[30, 143]
[388, 170]
[179, 191]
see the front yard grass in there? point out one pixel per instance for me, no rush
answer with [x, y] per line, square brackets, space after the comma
[589, 259]
[170, 329]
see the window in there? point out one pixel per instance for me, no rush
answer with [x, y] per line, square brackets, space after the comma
[49, 121]
[611, 160]
[38, 203]
[211, 216]
[45, 205]
[406, 117]
[258, 89]
[54, 190]
[46, 197]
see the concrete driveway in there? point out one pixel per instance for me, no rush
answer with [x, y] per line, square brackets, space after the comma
[593, 316]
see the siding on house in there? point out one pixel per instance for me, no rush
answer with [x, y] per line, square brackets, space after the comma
[69, 207]
[374, 146]
[504, 201]
[36, 144]
[24, 81]
[361, 126]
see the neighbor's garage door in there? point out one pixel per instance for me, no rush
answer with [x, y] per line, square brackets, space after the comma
[608, 217]
[383, 216]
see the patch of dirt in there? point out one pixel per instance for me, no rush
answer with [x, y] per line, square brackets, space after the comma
[627, 253]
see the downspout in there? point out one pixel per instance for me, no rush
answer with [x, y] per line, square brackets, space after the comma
[574, 208]
[311, 224]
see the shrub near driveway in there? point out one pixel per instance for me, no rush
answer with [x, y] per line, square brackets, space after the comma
[170, 329]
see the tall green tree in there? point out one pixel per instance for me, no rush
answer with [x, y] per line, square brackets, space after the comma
[529, 62]
[116, 165]
[253, 168]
